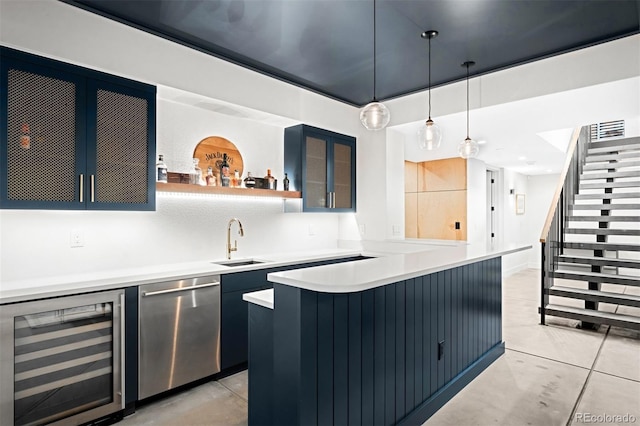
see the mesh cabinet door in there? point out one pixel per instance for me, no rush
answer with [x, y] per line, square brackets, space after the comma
[41, 130]
[120, 176]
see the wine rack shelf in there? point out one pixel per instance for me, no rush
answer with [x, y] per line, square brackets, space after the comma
[247, 192]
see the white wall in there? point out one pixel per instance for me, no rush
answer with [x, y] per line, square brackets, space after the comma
[514, 225]
[539, 195]
[476, 202]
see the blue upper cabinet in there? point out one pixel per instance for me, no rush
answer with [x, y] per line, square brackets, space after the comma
[321, 164]
[74, 138]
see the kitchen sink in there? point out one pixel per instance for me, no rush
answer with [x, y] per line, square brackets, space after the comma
[239, 262]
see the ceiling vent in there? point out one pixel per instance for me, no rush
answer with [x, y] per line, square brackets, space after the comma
[607, 130]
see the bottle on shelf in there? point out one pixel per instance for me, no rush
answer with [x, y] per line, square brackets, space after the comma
[225, 179]
[237, 182]
[270, 180]
[211, 178]
[249, 181]
[285, 182]
[195, 177]
[161, 170]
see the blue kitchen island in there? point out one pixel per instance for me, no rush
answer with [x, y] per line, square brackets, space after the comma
[387, 340]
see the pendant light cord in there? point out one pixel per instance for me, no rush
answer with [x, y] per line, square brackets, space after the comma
[374, 51]
[468, 65]
[429, 78]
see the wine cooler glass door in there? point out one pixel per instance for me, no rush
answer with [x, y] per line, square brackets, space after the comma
[61, 359]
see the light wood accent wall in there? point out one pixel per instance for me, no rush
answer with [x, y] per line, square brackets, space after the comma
[435, 199]
[449, 174]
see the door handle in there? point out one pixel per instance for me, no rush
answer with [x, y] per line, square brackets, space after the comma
[175, 290]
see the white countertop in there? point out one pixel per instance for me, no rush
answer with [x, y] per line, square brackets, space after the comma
[63, 285]
[371, 273]
[261, 297]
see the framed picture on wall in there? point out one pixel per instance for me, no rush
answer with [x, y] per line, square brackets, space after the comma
[519, 203]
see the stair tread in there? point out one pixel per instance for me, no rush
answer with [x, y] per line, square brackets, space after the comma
[608, 175]
[601, 206]
[620, 298]
[592, 260]
[593, 313]
[595, 158]
[599, 277]
[610, 195]
[602, 231]
[610, 166]
[602, 246]
[614, 185]
[603, 218]
[622, 144]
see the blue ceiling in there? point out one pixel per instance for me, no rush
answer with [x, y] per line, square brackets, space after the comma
[327, 46]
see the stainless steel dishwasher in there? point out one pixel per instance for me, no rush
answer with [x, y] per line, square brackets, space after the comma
[179, 333]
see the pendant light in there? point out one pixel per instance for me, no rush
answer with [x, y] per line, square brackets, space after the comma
[468, 148]
[374, 116]
[430, 135]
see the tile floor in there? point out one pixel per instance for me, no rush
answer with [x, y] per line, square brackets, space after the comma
[550, 375]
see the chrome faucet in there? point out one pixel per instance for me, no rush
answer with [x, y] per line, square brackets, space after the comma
[240, 231]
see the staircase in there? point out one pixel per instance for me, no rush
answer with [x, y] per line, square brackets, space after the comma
[591, 246]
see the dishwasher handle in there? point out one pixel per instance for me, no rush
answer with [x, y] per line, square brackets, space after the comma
[174, 290]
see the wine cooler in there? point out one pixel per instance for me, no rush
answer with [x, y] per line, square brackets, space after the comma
[61, 359]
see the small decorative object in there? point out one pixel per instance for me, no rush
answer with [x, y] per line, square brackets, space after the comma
[519, 203]
[225, 179]
[211, 178]
[285, 182]
[195, 176]
[161, 170]
[249, 181]
[210, 151]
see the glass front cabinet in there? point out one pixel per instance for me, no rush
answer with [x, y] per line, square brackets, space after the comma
[61, 359]
[74, 138]
[321, 164]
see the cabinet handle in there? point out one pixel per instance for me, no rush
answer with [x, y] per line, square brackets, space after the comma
[81, 188]
[122, 351]
[93, 185]
[177, 289]
[333, 200]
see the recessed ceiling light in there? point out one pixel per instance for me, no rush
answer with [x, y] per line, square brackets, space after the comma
[522, 158]
[482, 142]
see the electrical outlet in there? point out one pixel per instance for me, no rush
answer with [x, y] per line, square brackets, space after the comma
[76, 238]
[312, 230]
[395, 229]
[363, 229]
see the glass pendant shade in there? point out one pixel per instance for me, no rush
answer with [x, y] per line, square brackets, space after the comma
[375, 116]
[468, 148]
[430, 135]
